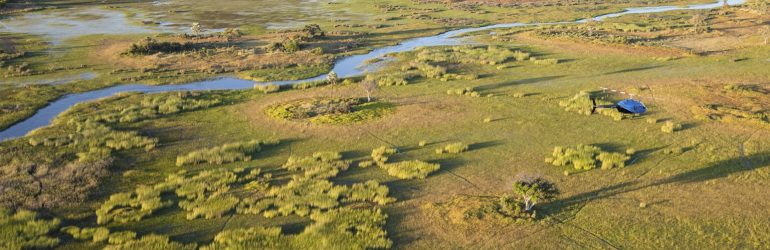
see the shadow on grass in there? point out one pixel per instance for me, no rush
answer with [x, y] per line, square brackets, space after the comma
[483, 145]
[634, 69]
[519, 82]
[713, 171]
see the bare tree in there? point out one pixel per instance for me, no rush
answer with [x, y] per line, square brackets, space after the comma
[699, 24]
[196, 29]
[332, 77]
[369, 86]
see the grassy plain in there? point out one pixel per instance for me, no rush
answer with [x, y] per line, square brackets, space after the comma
[700, 187]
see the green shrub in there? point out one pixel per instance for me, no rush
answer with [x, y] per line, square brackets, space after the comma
[410, 169]
[670, 127]
[267, 88]
[23, 229]
[121, 237]
[321, 165]
[551, 61]
[351, 228]
[580, 103]
[612, 160]
[151, 242]
[370, 191]
[651, 120]
[453, 148]
[422, 143]
[380, 155]
[586, 157]
[250, 238]
[300, 196]
[226, 153]
[209, 208]
[131, 206]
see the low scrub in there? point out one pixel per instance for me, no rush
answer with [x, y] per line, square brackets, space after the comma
[22, 229]
[130, 206]
[330, 111]
[586, 157]
[670, 127]
[410, 169]
[230, 152]
[453, 148]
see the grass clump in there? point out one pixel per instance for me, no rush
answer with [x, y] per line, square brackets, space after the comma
[580, 103]
[130, 206]
[98, 234]
[586, 157]
[250, 238]
[230, 152]
[551, 61]
[267, 88]
[454, 148]
[410, 169]
[121, 237]
[370, 191]
[23, 229]
[351, 228]
[209, 208]
[466, 92]
[670, 127]
[151, 242]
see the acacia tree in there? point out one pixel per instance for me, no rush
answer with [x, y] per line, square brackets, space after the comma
[369, 86]
[533, 190]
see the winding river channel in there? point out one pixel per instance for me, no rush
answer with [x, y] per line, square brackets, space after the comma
[346, 67]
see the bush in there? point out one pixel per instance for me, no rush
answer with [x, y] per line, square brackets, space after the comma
[151, 242]
[351, 228]
[250, 238]
[422, 143]
[380, 155]
[121, 237]
[131, 206]
[370, 191]
[552, 61]
[454, 148]
[321, 165]
[670, 127]
[209, 208]
[150, 46]
[585, 157]
[267, 88]
[410, 169]
[226, 153]
[23, 229]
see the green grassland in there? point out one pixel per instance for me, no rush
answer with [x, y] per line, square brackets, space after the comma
[210, 169]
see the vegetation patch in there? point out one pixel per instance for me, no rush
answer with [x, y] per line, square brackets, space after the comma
[289, 73]
[415, 169]
[22, 229]
[331, 111]
[729, 114]
[583, 103]
[453, 148]
[587, 157]
[230, 152]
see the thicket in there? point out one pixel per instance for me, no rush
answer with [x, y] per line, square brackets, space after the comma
[149, 46]
[22, 229]
[230, 152]
[586, 157]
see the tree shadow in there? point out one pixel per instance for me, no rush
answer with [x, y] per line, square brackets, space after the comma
[482, 145]
[519, 82]
[633, 69]
[716, 170]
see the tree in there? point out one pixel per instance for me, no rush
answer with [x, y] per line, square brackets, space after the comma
[591, 24]
[369, 86]
[766, 34]
[332, 77]
[196, 28]
[699, 24]
[533, 189]
[313, 31]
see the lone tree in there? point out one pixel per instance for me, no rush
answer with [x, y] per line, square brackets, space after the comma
[533, 189]
[369, 86]
[699, 24]
[332, 77]
[196, 28]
